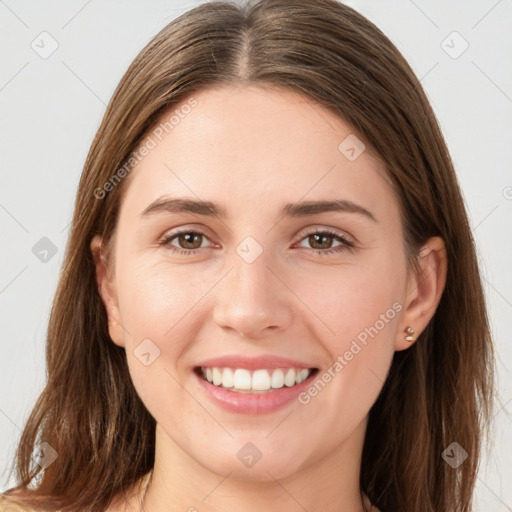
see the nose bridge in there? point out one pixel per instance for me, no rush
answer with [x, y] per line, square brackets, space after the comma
[251, 298]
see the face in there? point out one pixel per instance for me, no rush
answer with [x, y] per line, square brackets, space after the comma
[300, 287]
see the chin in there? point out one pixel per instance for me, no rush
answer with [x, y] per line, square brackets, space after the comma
[240, 466]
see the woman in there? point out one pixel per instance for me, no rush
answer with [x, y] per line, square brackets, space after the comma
[270, 298]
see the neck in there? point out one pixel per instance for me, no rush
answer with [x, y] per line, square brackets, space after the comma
[328, 483]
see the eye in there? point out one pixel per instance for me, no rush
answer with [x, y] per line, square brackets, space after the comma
[323, 239]
[191, 241]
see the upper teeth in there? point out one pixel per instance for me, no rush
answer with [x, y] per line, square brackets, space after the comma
[259, 380]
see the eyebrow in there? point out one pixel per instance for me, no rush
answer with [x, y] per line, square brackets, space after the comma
[207, 208]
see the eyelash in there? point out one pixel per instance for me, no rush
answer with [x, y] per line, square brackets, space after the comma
[347, 244]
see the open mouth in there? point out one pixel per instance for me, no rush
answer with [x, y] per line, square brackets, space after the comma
[242, 380]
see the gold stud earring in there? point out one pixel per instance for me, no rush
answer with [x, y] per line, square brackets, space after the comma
[409, 331]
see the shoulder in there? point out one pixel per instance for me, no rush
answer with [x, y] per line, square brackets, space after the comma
[121, 502]
[7, 505]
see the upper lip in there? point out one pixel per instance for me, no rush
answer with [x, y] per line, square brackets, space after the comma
[253, 363]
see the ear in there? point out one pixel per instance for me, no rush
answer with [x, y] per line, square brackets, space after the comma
[107, 291]
[424, 291]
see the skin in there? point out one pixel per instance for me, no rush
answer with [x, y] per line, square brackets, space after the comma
[245, 147]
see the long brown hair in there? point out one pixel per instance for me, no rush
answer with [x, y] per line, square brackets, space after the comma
[438, 391]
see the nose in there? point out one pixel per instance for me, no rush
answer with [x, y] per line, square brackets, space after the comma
[253, 300]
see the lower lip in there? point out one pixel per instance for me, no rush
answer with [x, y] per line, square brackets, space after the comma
[260, 403]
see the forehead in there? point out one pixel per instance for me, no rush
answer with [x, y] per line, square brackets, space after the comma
[250, 146]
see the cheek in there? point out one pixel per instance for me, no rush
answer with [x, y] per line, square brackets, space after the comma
[359, 308]
[362, 313]
[351, 300]
[155, 298]
[161, 303]
[157, 304]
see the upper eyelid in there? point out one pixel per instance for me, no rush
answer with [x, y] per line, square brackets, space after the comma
[331, 231]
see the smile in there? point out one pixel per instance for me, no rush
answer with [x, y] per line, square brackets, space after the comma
[243, 380]
[255, 391]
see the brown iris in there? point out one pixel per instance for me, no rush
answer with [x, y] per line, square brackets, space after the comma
[315, 237]
[186, 240]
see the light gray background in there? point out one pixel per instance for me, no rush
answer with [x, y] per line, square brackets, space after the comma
[50, 109]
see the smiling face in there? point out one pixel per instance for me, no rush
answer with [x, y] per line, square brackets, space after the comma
[248, 277]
